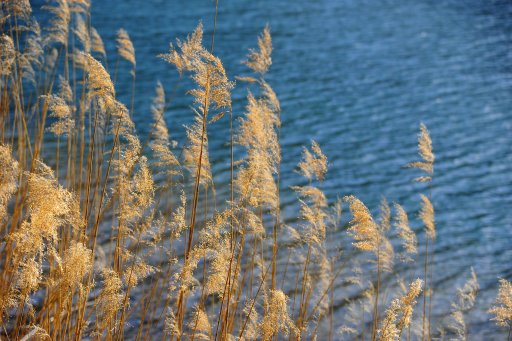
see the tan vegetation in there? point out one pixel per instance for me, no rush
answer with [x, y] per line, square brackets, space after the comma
[94, 246]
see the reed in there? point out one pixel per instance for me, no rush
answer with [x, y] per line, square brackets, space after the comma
[122, 236]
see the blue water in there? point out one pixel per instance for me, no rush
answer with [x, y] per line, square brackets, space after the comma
[359, 77]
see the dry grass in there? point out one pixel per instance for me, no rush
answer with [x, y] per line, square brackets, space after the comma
[93, 247]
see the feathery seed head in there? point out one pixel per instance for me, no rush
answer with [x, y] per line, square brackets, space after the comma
[190, 50]
[362, 226]
[198, 148]
[256, 181]
[201, 324]
[82, 33]
[28, 277]
[165, 158]
[251, 331]
[19, 8]
[214, 88]
[62, 112]
[77, 262]
[406, 234]
[220, 267]
[171, 325]
[97, 43]
[426, 154]
[110, 298]
[65, 91]
[312, 194]
[59, 23]
[408, 303]
[314, 163]
[178, 218]
[276, 316]
[466, 297]
[136, 272]
[125, 46]
[260, 60]
[425, 144]
[33, 53]
[257, 129]
[503, 306]
[7, 54]
[80, 6]
[386, 254]
[385, 216]
[161, 133]
[398, 315]
[46, 216]
[50, 59]
[100, 84]
[9, 172]
[427, 216]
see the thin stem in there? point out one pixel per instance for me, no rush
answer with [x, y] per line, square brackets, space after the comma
[425, 292]
[376, 304]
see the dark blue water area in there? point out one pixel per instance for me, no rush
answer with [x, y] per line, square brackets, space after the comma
[359, 77]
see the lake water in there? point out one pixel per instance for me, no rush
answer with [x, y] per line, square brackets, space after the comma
[359, 77]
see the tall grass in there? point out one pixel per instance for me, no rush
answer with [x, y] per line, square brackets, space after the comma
[110, 238]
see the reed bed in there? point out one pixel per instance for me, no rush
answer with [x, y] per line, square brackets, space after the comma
[117, 235]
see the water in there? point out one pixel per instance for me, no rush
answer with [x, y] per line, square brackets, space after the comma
[359, 77]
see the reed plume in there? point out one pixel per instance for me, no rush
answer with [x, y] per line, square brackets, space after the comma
[213, 86]
[406, 234]
[110, 299]
[97, 43]
[398, 315]
[80, 6]
[100, 85]
[125, 46]
[136, 272]
[427, 156]
[465, 301]
[201, 324]
[166, 161]
[260, 60]
[276, 316]
[135, 192]
[196, 152]
[82, 33]
[8, 179]
[59, 23]
[19, 8]
[502, 309]
[46, 216]
[60, 110]
[251, 330]
[386, 251]
[362, 227]
[427, 217]
[31, 60]
[257, 132]
[65, 92]
[314, 163]
[7, 54]
[76, 263]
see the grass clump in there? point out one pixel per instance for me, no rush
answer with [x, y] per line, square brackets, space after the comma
[118, 236]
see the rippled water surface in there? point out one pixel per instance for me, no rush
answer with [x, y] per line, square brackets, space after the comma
[358, 77]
